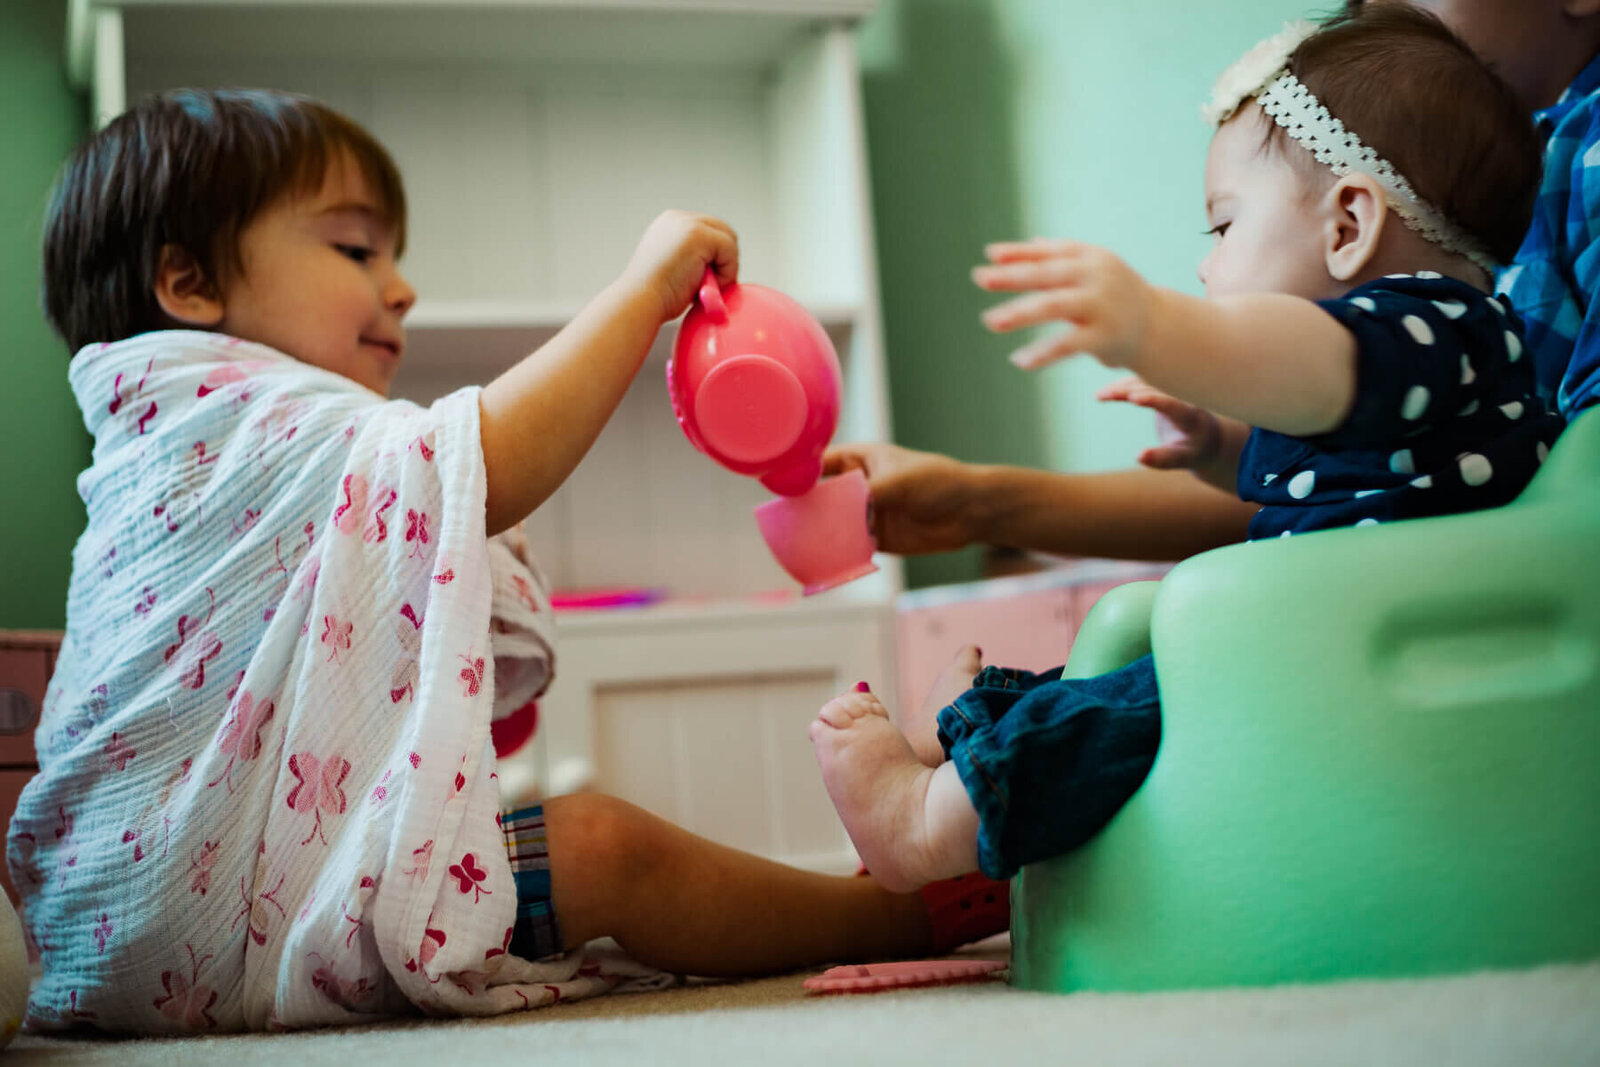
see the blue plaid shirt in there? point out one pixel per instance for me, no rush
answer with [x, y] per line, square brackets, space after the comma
[1555, 278]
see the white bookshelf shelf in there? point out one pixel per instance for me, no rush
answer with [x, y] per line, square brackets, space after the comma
[537, 315]
[777, 609]
[537, 139]
[454, 342]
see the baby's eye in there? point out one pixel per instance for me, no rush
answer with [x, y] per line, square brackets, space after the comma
[358, 253]
[1219, 229]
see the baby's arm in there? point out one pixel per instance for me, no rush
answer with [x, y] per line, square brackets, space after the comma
[539, 418]
[1198, 440]
[1269, 360]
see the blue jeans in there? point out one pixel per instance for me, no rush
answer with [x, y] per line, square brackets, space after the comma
[1048, 762]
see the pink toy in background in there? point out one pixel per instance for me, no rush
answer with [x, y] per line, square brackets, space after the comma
[755, 384]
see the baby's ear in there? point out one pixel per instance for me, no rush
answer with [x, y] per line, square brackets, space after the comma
[1355, 213]
[184, 292]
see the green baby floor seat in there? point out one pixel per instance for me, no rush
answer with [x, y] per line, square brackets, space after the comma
[1380, 756]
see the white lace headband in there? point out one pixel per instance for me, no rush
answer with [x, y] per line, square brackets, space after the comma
[1262, 73]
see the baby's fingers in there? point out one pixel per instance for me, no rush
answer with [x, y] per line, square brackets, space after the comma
[1123, 389]
[1036, 309]
[1050, 273]
[1034, 249]
[1173, 457]
[1053, 349]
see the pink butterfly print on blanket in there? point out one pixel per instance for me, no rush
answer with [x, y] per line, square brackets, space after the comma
[346, 994]
[470, 876]
[121, 396]
[255, 903]
[187, 1002]
[376, 530]
[416, 530]
[406, 672]
[432, 941]
[118, 752]
[318, 789]
[195, 647]
[200, 867]
[354, 513]
[227, 374]
[336, 635]
[240, 739]
[471, 675]
[347, 516]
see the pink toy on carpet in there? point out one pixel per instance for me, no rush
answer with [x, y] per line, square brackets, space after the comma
[877, 977]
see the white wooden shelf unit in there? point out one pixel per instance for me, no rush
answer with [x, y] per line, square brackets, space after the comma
[537, 139]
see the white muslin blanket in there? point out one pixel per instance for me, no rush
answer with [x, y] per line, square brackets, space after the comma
[266, 794]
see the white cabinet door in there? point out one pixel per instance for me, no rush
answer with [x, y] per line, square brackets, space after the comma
[703, 720]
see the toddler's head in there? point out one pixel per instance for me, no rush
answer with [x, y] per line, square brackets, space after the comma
[260, 214]
[1298, 192]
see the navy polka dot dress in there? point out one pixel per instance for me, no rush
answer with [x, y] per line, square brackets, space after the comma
[1445, 420]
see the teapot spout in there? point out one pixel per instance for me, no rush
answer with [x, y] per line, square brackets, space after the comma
[794, 479]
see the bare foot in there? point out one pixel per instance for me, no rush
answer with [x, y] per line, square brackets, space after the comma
[921, 726]
[905, 822]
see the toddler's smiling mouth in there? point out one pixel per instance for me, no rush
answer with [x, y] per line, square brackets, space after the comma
[393, 346]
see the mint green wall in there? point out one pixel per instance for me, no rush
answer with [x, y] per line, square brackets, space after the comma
[990, 119]
[43, 445]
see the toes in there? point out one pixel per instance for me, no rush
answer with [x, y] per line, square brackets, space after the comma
[969, 660]
[846, 708]
[839, 712]
[869, 704]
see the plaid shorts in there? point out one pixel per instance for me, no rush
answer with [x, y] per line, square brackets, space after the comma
[535, 935]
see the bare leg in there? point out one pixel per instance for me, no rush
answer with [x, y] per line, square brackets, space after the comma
[679, 902]
[921, 726]
[911, 823]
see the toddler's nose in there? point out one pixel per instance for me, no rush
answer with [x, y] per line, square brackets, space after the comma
[398, 296]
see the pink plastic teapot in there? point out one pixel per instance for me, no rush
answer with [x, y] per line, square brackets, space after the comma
[755, 384]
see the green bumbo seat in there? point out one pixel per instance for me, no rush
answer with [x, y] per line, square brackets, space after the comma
[1380, 757]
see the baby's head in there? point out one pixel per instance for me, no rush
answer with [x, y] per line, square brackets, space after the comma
[259, 214]
[1288, 220]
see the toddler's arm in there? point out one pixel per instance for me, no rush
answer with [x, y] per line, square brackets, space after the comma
[1269, 360]
[539, 418]
[1198, 440]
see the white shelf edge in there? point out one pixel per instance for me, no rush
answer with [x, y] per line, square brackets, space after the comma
[804, 8]
[1088, 570]
[743, 610]
[552, 315]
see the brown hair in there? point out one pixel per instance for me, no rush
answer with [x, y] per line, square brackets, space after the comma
[190, 168]
[1418, 96]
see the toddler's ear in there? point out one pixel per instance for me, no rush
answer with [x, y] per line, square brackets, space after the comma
[184, 292]
[1355, 213]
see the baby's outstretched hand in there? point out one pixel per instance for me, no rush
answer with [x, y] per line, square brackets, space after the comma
[673, 254]
[1190, 436]
[1102, 299]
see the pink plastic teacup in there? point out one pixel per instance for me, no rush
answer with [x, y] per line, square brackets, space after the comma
[821, 537]
[755, 383]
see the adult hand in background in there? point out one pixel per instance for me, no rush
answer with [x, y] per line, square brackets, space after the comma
[920, 501]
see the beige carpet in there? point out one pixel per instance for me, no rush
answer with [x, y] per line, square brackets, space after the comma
[1545, 1016]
